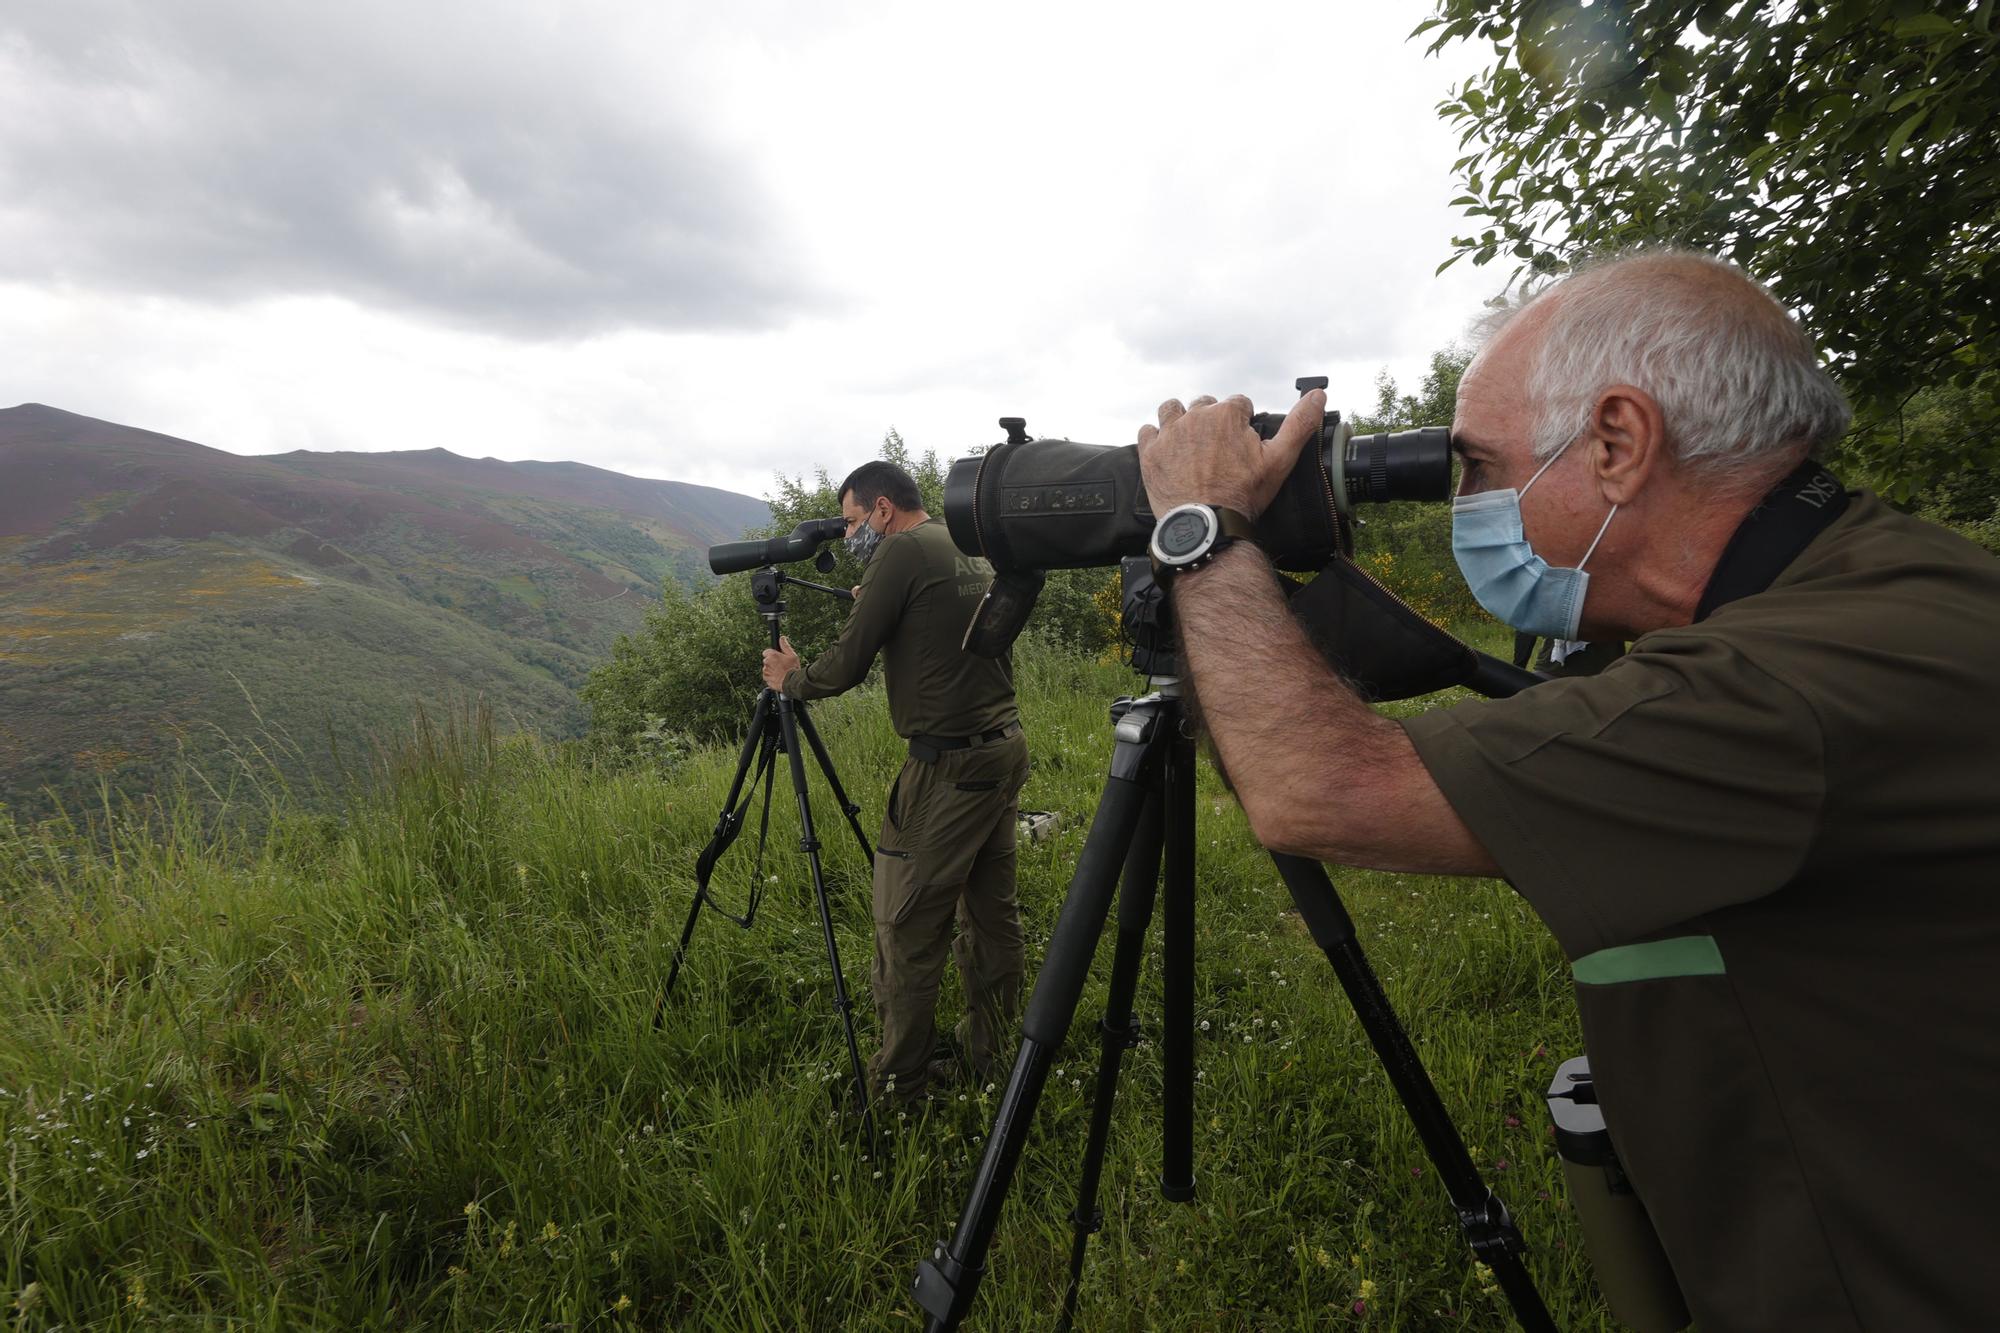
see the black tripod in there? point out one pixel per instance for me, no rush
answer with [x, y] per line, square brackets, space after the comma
[776, 723]
[1147, 808]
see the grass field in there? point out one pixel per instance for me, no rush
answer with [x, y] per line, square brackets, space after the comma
[398, 1069]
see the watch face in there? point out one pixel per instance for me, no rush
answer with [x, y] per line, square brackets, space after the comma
[1182, 534]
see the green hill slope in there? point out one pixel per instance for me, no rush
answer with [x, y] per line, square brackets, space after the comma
[163, 602]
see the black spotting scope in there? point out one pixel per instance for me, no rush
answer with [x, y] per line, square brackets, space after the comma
[800, 543]
[1031, 505]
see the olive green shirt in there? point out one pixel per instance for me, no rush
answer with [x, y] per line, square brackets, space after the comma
[1770, 844]
[917, 596]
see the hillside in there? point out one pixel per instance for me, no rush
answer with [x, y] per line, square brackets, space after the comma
[161, 599]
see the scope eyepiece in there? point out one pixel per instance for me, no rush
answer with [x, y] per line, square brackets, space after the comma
[1398, 465]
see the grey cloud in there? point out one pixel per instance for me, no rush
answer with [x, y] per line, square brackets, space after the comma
[1291, 312]
[1236, 347]
[465, 162]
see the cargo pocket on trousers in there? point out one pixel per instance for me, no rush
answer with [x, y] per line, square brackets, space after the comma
[895, 885]
[909, 810]
[893, 810]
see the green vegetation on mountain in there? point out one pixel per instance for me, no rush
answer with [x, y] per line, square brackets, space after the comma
[166, 606]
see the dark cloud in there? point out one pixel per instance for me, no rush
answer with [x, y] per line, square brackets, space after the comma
[468, 163]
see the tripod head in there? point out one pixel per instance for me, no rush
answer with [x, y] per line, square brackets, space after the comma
[767, 590]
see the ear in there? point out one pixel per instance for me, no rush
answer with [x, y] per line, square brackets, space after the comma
[1628, 442]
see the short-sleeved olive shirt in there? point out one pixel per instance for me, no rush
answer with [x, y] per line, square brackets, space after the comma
[1770, 844]
[917, 595]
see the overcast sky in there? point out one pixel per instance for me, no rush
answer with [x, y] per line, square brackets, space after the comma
[711, 242]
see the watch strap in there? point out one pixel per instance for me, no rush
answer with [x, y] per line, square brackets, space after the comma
[1232, 526]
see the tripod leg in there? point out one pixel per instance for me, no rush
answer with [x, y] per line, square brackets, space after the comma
[760, 730]
[761, 734]
[680, 953]
[847, 807]
[1482, 1217]
[1120, 1032]
[946, 1281]
[1177, 960]
[809, 844]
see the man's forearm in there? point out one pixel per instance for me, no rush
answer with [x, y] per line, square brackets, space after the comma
[1318, 771]
[844, 665]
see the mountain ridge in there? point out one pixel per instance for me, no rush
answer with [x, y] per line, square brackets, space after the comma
[140, 572]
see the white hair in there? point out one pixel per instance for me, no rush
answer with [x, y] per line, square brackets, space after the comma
[1737, 380]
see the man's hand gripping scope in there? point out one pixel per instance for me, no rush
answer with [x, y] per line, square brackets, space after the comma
[1208, 453]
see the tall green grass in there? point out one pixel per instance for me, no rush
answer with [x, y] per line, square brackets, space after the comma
[399, 1069]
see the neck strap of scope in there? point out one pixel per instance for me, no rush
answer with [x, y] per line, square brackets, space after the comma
[1771, 535]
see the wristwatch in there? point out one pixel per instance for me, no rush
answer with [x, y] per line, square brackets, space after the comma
[1189, 536]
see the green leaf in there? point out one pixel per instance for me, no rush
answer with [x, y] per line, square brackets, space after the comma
[1768, 153]
[1902, 135]
[1924, 25]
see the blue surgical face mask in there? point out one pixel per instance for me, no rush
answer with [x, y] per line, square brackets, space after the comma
[864, 541]
[1515, 585]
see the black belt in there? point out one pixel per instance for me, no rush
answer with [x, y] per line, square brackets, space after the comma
[928, 748]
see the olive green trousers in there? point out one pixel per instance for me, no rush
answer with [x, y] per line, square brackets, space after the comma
[945, 859]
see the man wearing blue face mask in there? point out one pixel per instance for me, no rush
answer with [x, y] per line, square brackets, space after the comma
[1513, 584]
[1768, 837]
[945, 854]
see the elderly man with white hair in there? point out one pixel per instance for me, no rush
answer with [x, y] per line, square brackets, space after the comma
[1767, 838]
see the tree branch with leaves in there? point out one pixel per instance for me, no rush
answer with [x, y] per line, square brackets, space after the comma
[1838, 150]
